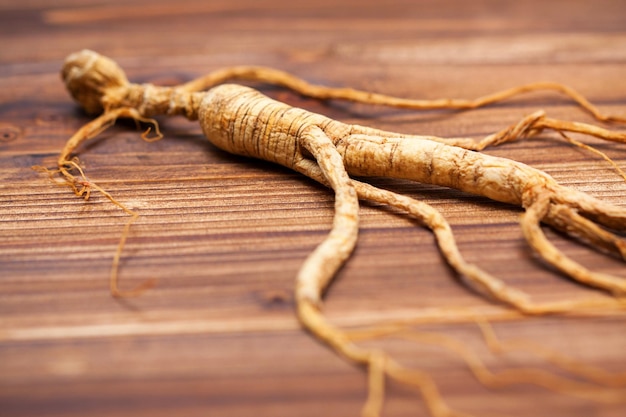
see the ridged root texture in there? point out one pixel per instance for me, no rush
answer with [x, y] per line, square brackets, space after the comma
[331, 152]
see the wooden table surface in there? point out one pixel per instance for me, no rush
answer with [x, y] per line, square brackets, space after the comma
[225, 235]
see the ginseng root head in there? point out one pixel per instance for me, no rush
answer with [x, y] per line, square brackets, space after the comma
[89, 77]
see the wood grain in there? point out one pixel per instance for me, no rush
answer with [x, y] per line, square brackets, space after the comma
[225, 236]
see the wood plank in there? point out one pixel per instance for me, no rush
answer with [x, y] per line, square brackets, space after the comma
[225, 235]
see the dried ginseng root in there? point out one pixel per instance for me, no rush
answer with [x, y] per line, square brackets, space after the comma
[242, 121]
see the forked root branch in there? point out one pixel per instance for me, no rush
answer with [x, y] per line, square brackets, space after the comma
[242, 121]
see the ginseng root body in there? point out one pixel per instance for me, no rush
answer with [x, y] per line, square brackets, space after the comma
[242, 121]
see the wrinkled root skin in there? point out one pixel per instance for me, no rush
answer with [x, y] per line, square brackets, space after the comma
[242, 121]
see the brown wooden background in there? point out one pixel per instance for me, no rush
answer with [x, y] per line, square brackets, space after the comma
[225, 236]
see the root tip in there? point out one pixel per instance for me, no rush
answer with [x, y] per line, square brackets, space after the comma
[135, 292]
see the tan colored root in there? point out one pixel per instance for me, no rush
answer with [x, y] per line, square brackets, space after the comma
[531, 228]
[591, 149]
[405, 154]
[427, 388]
[561, 204]
[82, 186]
[277, 77]
[87, 186]
[377, 363]
[479, 279]
[536, 122]
[514, 376]
[529, 126]
[591, 373]
[496, 289]
[565, 218]
[560, 215]
[322, 265]
[380, 364]
[99, 84]
[99, 125]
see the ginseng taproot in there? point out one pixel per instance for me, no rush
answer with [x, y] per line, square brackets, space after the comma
[243, 121]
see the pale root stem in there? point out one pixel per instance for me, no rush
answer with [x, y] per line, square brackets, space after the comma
[432, 219]
[521, 129]
[285, 79]
[375, 385]
[378, 364]
[157, 131]
[504, 378]
[321, 266]
[598, 152]
[582, 128]
[529, 126]
[536, 122]
[427, 387]
[289, 136]
[480, 279]
[530, 223]
[565, 218]
[114, 275]
[82, 186]
[576, 367]
[489, 285]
